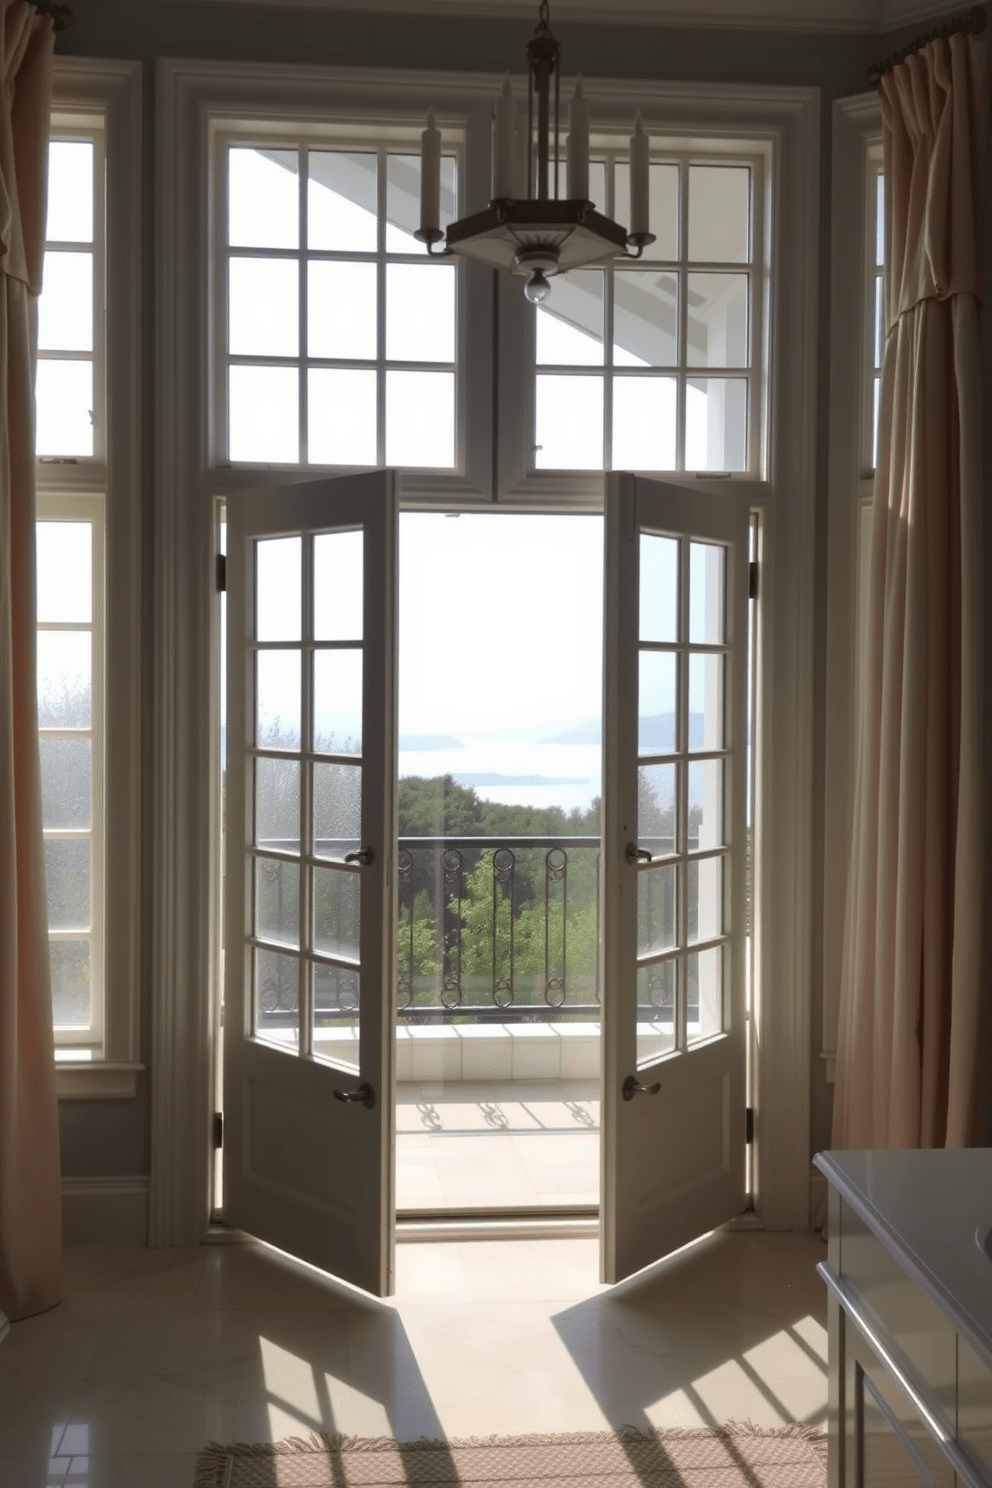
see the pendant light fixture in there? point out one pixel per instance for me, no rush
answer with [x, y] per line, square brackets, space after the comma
[540, 234]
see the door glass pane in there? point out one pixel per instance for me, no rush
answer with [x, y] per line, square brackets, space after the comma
[277, 997]
[707, 591]
[706, 825]
[656, 808]
[569, 423]
[341, 201]
[342, 310]
[569, 327]
[420, 419]
[663, 212]
[704, 994]
[644, 418]
[337, 702]
[719, 202]
[277, 699]
[263, 307]
[67, 877]
[66, 772]
[63, 393]
[65, 678]
[338, 584]
[706, 681]
[277, 804]
[420, 312]
[656, 703]
[336, 912]
[278, 589]
[337, 809]
[655, 1011]
[65, 306]
[645, 319]
[263, 198]
[277, 901]
[336, 1004]
[264, 415]
[716, 332]
[716, 423]
[70, 962]
[659, 588]
[65, 572]
[655, 910]
[342, 423]
[704, 892]
[70, 192]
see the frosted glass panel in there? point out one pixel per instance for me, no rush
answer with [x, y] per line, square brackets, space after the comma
[659, 588]
[263, 307]
[341, 201]
[70, 192]
[264, 415]
[569, 325]
[67, 878]
[717, 316]
[420, 419]
[341, 426]
[644, 414]
[342, 311]
[569, 423]
[337, 809]
[65, 306]
[337, 702]
[277, 804]
[704, 994]
[656, 920]
[645, 319]
[65, 579]
[716, 423]
[277, 901]
[263, 198]
[64, 407]
[656, 703]
[420, 312]
[66, 774]
[64, 679]
[278, 588]
[70, 962]
[336, 911]
[277, 997]
[277, 699]
[719, 212]
[338, 586]
[656, 809]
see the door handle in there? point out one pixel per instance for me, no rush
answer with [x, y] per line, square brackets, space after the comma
[363, 855]
[633, 853]
[363, 1096]
[632, 1087]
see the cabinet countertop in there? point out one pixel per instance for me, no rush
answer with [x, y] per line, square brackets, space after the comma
[927, 1207]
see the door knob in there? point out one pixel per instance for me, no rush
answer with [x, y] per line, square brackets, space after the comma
[363, 855]
[632, 1087]
[633, 853]
[363, 1096]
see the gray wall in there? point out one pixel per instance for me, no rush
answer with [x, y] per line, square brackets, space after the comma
[103, 1138]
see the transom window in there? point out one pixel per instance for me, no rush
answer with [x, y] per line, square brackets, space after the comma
[340, 337]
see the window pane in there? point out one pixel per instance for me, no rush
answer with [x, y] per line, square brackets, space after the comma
[341, 201]
[264, 307]
[656, 809]
[706, 681]
[65, 578]
[420, 419]
[655, 910]
[716, 333]
[656, 705]
[644, 413]
[569, 423]
[65, 307]
[341, 310]
[277, 997]
[70, 961]
[63, 393]
[70, 192]
[277, 901]
[403, 201]
[707, 594]
[67, 878]
[263, 198]
[663, 219]
[337, 809]
[705, 994]
[336, 909]
[879, 219]
[64, 678]
[659, 588]
[337, 702]
[719, 213]
[338, 581]
[645, 319]
[277, 804]
[879, 319]
[706, 805]
[336, 1000]
[264, 415]
[341, 416]
[277, 699]
[420, 313]
[66, 773]
[278, 588]
[655, 1011]
[705, 898]
[716, 423]
[569, 325]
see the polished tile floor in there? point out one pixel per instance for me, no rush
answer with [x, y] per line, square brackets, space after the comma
[497, 1144]
[154, 1353]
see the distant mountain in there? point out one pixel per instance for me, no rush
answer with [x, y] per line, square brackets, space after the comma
[417, 742]
[654, 731]
[490, 778]
[589, 732]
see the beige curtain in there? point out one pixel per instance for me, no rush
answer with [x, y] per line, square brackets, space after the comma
[30, 1220]
[911, 1067]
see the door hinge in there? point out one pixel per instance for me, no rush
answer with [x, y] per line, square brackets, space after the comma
[752, 580]
[221, 573]
[218, 1128]
[749, 1124]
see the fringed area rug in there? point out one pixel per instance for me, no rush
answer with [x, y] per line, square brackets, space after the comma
[737, 1455]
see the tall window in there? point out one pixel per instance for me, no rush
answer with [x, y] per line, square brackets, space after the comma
[875, 300]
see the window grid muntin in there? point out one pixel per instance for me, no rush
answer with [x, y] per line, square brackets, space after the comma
[303, 255]
[680, 268]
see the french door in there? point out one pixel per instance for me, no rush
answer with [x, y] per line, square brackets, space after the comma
[311, 831]
[673, 869]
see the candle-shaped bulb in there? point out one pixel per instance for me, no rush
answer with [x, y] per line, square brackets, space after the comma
[430, 177]
[503, 142]
[578, 145]
[640, 181]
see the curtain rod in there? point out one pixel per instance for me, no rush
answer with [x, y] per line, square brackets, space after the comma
[973, 21]
[61, 15]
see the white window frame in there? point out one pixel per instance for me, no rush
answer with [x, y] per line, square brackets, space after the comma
[102, 100]
[195, 97]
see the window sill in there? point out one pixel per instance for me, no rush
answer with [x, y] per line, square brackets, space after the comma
[96, 1080]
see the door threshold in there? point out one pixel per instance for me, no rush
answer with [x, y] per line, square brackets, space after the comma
[485, 1224]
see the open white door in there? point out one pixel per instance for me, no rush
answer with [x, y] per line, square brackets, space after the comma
[311, 831]
[673, 864]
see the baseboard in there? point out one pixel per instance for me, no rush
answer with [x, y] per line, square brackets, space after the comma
[105, 1211]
